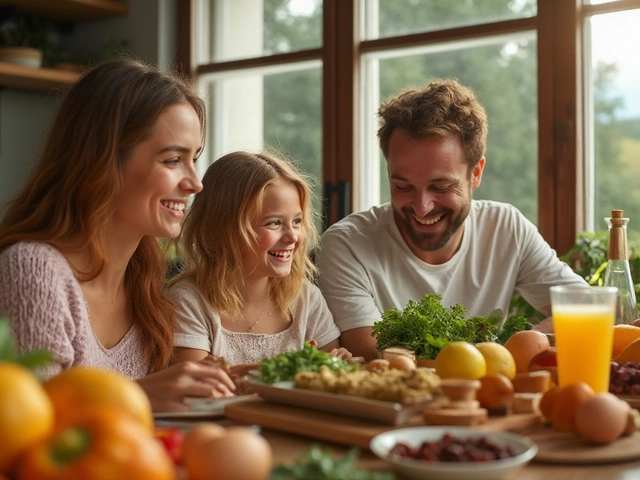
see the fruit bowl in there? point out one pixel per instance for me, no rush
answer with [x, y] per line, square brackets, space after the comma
[523, 448]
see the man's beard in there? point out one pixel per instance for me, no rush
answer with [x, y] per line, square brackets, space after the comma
[429, 242]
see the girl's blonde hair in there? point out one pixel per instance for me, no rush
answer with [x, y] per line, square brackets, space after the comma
[217, 230]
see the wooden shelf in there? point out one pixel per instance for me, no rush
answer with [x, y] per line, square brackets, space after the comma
[69, 10]
[40, 79]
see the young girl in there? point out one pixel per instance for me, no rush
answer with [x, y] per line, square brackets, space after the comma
[82, 272]
[245, 291]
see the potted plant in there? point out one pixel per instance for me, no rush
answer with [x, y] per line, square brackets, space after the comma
[24, 39]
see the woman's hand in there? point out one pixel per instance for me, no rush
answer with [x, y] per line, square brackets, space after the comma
[168, 388]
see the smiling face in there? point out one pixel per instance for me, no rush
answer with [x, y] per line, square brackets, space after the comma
[279, 230]
[430, 193]
[159, 175]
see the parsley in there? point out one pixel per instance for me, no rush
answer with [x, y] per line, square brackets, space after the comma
[426, 327]
[318, 464]
[284, 366]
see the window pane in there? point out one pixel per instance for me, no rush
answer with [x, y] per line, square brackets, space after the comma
[263, 110]
[613, 106]
[254, 28]
[387, 18]
[502, 72]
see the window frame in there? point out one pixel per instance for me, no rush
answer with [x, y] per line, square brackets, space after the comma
[559, 29]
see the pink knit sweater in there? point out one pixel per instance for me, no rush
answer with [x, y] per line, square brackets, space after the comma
[44, 301]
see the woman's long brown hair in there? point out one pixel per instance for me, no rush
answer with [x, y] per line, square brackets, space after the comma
[72, 193]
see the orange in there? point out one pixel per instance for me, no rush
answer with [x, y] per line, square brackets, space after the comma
[499, 360]
[89, 387]
[495, 392]
[26, 414]
[547, 401]
[623, 336]
[525, 345]
[460, 360]
[566, 402]
[631, 353]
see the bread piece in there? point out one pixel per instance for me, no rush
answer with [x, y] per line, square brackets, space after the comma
[525, 402]
[449, 416]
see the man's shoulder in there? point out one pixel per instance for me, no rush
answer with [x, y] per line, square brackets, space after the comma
[492, 212]
[362, 223]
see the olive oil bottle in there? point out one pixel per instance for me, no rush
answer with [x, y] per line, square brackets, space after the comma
[618, 272]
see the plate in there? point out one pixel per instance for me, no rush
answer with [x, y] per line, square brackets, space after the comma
[380, 445]
[392, 413]
[204, 407]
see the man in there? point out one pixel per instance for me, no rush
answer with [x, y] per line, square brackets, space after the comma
[432, 237]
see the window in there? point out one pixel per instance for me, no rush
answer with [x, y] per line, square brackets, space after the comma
[307, 77]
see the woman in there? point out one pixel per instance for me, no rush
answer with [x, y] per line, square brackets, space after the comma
[245, 292]
[82, 271]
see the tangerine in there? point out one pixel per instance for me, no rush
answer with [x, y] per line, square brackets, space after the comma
[525, 345]
[26, 414]
[631, 353]
[547, 401]
[623, 335]
[92, 387]
[495, 392]
[566, 403]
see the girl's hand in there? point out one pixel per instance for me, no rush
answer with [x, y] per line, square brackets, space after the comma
[168, 388]
[344, 354]
[241, 370]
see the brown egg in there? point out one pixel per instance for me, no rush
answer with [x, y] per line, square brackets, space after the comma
[194, 447]
[602, 418]
[403, 363]
[238, 454]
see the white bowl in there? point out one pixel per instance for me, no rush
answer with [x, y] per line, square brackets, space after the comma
[524, 448]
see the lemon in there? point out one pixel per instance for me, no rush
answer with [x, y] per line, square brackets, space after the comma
[26, 414]
[460, 360]
[498, 359]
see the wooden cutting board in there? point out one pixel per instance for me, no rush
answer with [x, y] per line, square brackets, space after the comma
[338, 428]
[569, 448]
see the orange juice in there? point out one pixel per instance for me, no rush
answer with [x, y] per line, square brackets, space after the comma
[584, 339]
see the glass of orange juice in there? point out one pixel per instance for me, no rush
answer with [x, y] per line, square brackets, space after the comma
[583, 319]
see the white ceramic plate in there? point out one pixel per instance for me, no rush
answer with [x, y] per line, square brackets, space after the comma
[380, 445]
[391, 413]
[204, 407]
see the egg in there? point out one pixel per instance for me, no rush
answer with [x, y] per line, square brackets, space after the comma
[602, 418]
[240, 453]
[403, 363]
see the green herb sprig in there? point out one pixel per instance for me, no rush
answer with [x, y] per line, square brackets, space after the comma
[9, 352]
[284, 366]
[318, 464]
[426, 327]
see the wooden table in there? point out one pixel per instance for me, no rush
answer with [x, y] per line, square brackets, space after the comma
[286, 447]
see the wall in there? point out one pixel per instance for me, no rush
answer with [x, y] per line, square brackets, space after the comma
[25, 115]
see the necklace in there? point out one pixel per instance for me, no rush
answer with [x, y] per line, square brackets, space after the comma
[250, 329]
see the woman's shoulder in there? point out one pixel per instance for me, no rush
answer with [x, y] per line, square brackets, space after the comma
[33, 256]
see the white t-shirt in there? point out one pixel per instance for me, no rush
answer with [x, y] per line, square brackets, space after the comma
[199, 326]
[367, 268]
